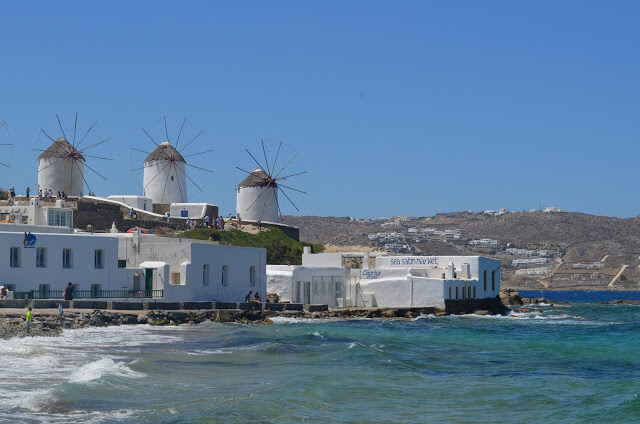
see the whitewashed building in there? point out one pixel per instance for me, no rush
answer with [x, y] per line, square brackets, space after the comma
[128, 265]
[388, 281]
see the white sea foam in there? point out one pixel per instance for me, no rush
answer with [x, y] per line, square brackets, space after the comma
[206, 352]
[100, 368]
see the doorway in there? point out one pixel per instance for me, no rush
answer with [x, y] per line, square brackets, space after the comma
[148, 279]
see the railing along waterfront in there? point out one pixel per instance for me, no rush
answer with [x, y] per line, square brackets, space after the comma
[91, 294]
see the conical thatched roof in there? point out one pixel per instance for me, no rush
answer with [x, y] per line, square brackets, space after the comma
[59, 149]
[164, 151]
[257, 178]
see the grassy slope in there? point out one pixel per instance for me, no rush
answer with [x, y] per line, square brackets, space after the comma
[281, 249]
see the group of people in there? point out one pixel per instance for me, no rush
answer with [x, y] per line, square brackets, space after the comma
[218, 222]
[47, 193]
[255, 299]
[4, 293]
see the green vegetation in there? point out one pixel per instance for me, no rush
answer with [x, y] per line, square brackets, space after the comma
[281, 249]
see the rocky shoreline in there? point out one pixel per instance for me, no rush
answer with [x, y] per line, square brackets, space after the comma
[48, 323]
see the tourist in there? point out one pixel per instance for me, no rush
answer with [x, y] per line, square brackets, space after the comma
[247, 298]
[60, 310]
[257, 299]
[4, 293]
[188, 223]
[67, 293]
[276, 298]
[40, 194]
[260, 224]
[230, 216]
[222, 224]
[29, 318]
[63, 194]
[131, 213]
[12, 192]
[206, 221]
[28, 192]
[239, 220]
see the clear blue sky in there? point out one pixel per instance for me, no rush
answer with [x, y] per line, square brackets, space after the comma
[395, 107]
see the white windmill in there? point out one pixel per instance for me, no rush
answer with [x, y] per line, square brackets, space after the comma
[257, 194]
[165, 175]
[61, 166]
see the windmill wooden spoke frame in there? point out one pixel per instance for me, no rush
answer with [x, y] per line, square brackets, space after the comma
[257, 194]
[61, 166]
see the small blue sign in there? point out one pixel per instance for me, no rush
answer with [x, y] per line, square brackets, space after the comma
[29, 240]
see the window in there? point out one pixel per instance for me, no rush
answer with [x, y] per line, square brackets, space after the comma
[474, 292]
[456, 292]
[493, 280]
[469, 292]
[122, 263]
[96, 290]
[484, 275]
[60, 218]
[205, 274]
[14, 259]
[252, 276]
[450, 292]
[463, 292]
[41, 257]
[98, 259]
[175, 279]
[67, 258]
[225, 275]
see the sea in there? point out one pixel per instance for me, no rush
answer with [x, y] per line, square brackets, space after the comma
[577, 363]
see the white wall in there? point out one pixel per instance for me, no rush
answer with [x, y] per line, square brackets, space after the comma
[194, 210]
[163, 183]
[322, 285]
[83, 272]
[61, 174]
[137, 202]
[265, 208]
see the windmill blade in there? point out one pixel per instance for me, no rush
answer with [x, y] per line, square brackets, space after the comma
[52, 163]
[48, 136]
[83, 178]
[277, 153]
[94, 145]
[75, 127]
[97, 157]
[95, 172]
[190, 179]
[258, 196]
[6, 144]
[150, 138]
[291, 188]
[244, 170]
[140, 150]
[265, 157]
[275, 195]
[60, 125]
[290, 201]
[55, 156]
[166, 181]
[87, 133]
[180, 188]
[285, 165]
[154, 177]
[166, 131]
[180, 132]
[255, 160]
[292, 175]
[137, 169]
[4, 164]
[200, 168]
[201, 153]
[193, 139]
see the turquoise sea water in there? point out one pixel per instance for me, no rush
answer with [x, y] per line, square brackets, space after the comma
[580, 363]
